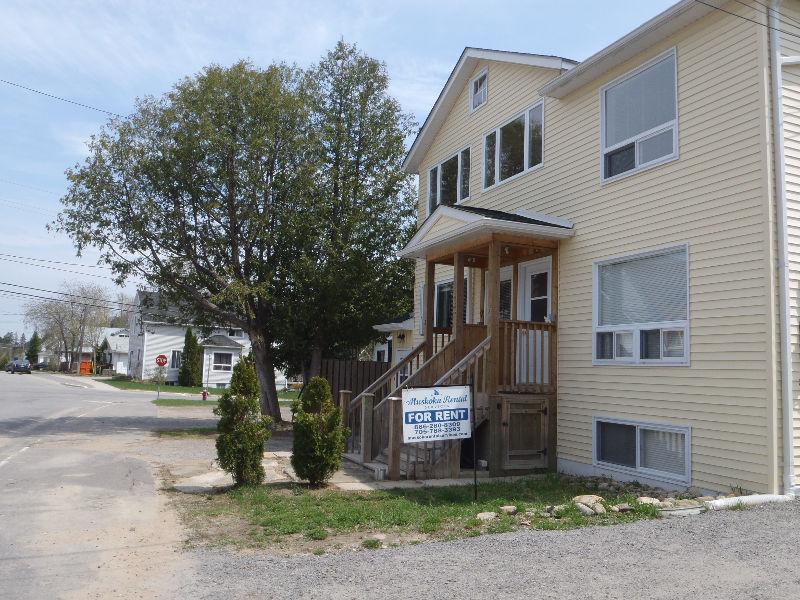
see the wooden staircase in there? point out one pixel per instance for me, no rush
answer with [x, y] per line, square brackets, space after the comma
[371, 444]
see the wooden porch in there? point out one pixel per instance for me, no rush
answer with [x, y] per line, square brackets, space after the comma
[510, 362]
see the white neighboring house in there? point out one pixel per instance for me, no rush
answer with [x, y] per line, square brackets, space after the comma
[118, 345]
[151, 335]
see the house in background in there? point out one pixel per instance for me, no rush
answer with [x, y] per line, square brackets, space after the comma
[627, 229]
[398, 342]
[117, 353]
[153, 332]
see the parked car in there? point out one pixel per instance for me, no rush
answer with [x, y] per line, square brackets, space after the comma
[39, 366]
[19, 365]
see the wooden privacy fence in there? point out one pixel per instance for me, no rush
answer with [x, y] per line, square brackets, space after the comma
[353, 375]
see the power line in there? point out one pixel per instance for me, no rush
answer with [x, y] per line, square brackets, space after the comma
[16, 204]
[54, 97]
[55, 262]
[727, 12]
[27, 287]
[30, 187]
[61, 300]
[27, 264]
[769, 10]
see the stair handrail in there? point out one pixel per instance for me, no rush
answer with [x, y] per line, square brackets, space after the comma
[380, 381]
[410, 380]
[461, 365]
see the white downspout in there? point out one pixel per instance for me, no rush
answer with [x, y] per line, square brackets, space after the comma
[783, 250]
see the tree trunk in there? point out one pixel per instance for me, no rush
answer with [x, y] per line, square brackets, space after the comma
[315, 365]
[265, 369]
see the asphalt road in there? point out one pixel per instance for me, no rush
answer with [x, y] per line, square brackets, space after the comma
[81, 517]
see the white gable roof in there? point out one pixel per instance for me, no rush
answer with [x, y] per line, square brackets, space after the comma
[473, 221]
[455, 83]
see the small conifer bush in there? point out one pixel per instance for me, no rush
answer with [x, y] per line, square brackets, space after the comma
[319, 438]
[242, 429]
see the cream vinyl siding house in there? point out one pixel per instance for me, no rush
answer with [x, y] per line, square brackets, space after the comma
[712, 196]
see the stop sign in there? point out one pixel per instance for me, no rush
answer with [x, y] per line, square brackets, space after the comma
[161, 360]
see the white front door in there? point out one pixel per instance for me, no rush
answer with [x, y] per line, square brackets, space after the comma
[534, 304]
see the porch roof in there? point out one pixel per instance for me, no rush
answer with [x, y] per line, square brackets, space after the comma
[454, 225]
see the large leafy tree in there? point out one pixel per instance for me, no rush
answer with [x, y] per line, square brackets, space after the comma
[204, 194]
[363, 213]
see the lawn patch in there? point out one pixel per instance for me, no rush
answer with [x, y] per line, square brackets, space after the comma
[189, 432]
[152, 387]
[297, 519]
[178, 402]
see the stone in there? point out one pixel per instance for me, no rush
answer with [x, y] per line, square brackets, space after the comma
[694, 492]
[604, 486]
[623, 508]
[688, 503]
[525, 522]
[599, 509]
[486, 516]
[648, 500]
[705, 498]
[585, 510]
[508, 510]
[587, 499]
[614, 509]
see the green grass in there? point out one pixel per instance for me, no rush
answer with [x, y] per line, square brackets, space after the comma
[184, 402]
[443, 513]
[152, 387]
[285, 397]
[191, 432]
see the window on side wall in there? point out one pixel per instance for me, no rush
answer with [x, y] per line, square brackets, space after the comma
[639, 118]
[222, 361]
[641, 308]
[479, 91]
[448, 182]
[658, 451]
[514, 147]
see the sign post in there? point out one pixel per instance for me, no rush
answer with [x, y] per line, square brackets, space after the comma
[440, 413]
[161, 361]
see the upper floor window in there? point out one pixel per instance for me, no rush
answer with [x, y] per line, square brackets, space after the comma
[448, 182]
[639, 118]
[235, 333]
[641, 308]
[479, 90]
[514, 147]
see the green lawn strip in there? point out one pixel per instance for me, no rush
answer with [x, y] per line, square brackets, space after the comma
[124, 384]
[446, 512]
[176, 402]
[189, 432]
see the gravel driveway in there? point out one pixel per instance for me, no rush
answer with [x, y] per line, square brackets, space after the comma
[731, 554]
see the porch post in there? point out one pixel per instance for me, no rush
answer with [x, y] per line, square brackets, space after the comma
[493, 317]
[482, 288]
[496, 431]
[458, 304]
[515, 292]
[430, 291]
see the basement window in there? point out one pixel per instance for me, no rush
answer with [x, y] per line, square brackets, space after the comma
[650, 450]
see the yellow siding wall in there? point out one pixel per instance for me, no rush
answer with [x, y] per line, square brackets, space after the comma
[790, 46]
[715, 198]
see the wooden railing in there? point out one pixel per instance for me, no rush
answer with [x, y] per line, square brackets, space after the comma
[527, 357]
[469, 370]
[441, 337]
[425, 375]
[380, 388]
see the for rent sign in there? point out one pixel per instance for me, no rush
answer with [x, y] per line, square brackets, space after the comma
[436, 413]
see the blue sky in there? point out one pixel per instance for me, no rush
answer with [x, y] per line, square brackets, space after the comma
[106, 53]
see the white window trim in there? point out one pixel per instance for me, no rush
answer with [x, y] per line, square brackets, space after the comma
[472, 81]
[221, 366]
[468, 299]
[642, 136]
[438, 167]
[637, 328]
[686, 430]
[526, 153]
